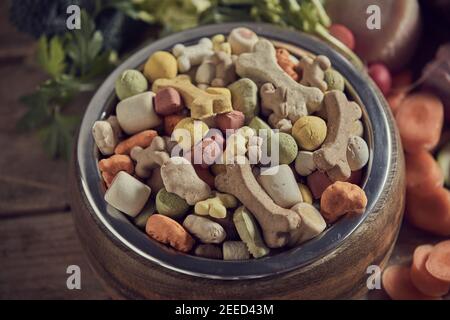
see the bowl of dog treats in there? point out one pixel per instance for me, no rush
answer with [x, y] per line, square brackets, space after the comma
[237, 161]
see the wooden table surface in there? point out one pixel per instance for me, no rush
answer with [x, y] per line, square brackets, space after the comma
[37, 236]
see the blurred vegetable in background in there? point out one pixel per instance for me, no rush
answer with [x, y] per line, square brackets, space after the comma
[77, 60]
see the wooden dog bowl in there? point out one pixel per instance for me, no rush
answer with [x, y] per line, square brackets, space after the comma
[330, 266]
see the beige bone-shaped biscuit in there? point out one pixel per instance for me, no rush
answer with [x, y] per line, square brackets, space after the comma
[150, 158]
[278, 224]
[179, 177]
[201, 103]
[261, 66]
[313, 71]
[332, 156]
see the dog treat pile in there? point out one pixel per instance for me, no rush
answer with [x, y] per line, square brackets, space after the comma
[239, 147]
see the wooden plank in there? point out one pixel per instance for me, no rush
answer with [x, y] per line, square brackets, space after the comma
[35, 252]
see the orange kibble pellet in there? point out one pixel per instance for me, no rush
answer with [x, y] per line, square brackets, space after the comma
[142, 139]
[168, 231]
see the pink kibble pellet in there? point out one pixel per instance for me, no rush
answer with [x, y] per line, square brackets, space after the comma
[317, 183]
[231, 120]
[168, 101]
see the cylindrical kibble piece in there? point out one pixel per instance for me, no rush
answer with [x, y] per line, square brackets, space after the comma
[168, 231]
[310, 132]
[127, 194]
[249, 232]
[204, 229]
[130, 83]
[171, 205]
[235, 250]
[357, 153]
[161, 65]
[279, 182]
[209, 251]
[105, 137]
[137, 113]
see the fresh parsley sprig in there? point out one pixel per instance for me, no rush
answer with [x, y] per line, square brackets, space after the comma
[74, 61]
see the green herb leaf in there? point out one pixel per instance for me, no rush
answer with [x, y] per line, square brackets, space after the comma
[51, 56]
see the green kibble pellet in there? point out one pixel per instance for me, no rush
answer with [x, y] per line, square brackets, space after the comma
[171, 205]
[334, 80]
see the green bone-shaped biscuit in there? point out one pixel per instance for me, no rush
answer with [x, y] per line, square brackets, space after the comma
[249, 232]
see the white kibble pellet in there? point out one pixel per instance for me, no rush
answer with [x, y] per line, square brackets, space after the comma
[357, 153]
[279, 182]
[104, 137]
[304, 163]
[242, 40]
[137, 113]
[235, 250]
[127, 194]
[312, 225]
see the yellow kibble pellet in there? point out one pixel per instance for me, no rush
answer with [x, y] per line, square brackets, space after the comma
[306, 193]
[309, 132]
[188, 132]
[161, 65]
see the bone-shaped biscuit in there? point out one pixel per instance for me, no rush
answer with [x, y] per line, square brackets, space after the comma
[261, 66]
[201, 103]
[278, 224]
[313, 71]
[150, 158]
[332, 156]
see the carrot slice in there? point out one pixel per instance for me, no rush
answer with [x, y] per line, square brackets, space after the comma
[430, 211]
[422, 279]
[398, 285]
[395, 99]
[420, 118]
[423, 173]
[438, 263]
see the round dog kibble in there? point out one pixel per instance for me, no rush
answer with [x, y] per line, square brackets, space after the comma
[161, 65]
[288, 148]
[309, 132]
[334, 80]
[357, 153]
[235, 250]
[204, 229]
[130, 83]
[171, 205]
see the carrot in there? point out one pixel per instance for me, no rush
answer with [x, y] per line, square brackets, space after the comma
[420, 118]
[398, 285]
[422, 279]
[423, 173]
[430, 211]
[395, 99]
[438, 263]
